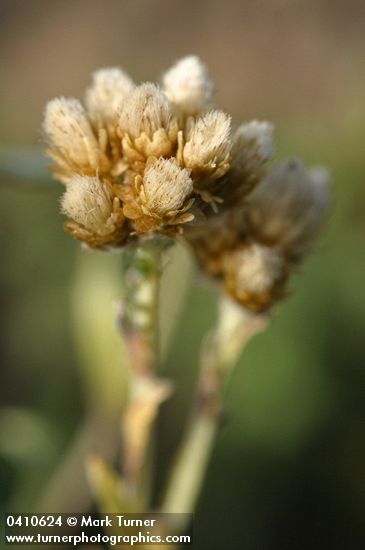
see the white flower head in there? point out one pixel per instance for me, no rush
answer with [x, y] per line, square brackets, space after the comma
[104, 97]
[257, 269]
[208, 142]
[145, 110]
[288, 206]
[188, 86]
[68, 129]
[166, 186]
[253, 141]
[87, 201]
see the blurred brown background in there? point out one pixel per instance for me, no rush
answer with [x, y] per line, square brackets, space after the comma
[303, 59]
[289, 468]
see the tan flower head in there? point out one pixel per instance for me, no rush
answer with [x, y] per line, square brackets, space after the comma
[257, 268]
[105, 96]
[161, 200]
[208, 145]
[166, 187]
[288, 207]
[146, 126]
[69, 132]
[96, 215]
[255, 275]
[88, 201]
[145, 110]
[188, 86]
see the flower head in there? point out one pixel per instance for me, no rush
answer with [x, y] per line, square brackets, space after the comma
[289, 205]
[255, 275]
[188, 86]
[69, 131]
[145, 110]
[166, 187]
[162, 199]
[89, 202]
[208, 145]
[105, 96]
[256, 268]
[147, 126]
[96, 217]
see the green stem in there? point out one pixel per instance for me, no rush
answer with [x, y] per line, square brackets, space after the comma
[139, 323]
[141, 276]
[185, 483]
[220, 353]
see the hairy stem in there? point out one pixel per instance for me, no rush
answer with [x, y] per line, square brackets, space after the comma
[138, 320]
[141, 275]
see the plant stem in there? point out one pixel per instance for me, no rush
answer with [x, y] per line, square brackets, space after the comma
[185, 483]
[141, 275]
[220, 352]
[139, 324]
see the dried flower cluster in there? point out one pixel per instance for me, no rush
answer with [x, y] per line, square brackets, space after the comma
[160, 159]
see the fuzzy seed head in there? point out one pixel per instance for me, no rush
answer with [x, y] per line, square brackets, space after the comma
[145, 109]
[258, 268]
[68, 129]
[87, 201]
[166, 186]
[188, 86]
[104, 97]
[254, 140]
[209, 140]
[289, 205]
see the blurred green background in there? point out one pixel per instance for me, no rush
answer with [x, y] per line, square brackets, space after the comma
[288, 470]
